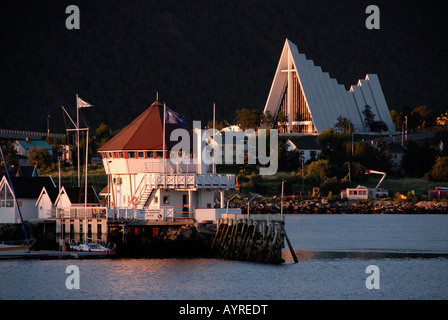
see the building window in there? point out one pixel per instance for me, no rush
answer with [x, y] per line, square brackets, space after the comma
[131, 154]
[159, 154]
[166, 199]
[149, 154]
[140, 154]
[156, 200]
[6, 198]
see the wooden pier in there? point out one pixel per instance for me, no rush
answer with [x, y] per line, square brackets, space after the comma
[256, 238]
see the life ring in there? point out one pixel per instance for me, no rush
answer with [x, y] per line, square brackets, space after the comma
[134, 201]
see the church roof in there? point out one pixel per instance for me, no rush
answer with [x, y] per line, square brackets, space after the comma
[146, 131]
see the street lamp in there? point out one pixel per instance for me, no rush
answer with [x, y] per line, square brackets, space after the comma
[302, 177]
[48, 124]
[227, 212]
[248, 212]
[406, 127]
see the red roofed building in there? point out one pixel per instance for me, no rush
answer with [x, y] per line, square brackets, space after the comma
[145, 185]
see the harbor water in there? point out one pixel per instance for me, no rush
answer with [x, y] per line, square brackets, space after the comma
[410, 253]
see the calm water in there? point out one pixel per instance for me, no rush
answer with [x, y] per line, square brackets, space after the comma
[410, 251]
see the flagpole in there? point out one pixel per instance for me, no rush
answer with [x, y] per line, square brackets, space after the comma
[214, 141]
[77, 138]
[85, 195]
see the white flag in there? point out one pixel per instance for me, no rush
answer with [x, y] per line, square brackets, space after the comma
[83, 104]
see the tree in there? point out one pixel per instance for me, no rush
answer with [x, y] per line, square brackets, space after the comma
[103, 134]
[344, 125]
[418, 159]
[268, 118]
[369, 116]
[335, 146]
[373, 157]
[425, 115]
[10, 154]
[440, 170]
[247, 118]
[282, 118]
[319, 168]
[397, 119]
[39, 157]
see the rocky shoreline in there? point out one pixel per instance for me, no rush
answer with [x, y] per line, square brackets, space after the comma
[323, 206]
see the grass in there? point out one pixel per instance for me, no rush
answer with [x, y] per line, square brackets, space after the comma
[271, 185]
[404, 185]
[69, 176]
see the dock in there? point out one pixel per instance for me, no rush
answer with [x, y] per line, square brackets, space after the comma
[255, 238]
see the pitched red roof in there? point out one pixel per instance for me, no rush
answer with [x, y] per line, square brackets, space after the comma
[144, 133]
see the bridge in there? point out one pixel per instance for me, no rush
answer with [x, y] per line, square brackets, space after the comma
[32, 135]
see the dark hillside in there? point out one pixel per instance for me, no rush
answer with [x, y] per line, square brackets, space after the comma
[195, 53]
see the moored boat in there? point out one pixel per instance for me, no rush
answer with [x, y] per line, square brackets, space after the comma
[8, 248]
[91, 247]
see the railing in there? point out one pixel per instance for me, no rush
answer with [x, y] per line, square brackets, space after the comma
[81, 212]
[51, 213]
[169, 167]
[193, 180]
[179, 212]
[161, 214]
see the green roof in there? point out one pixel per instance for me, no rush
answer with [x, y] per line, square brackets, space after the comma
[34, 144]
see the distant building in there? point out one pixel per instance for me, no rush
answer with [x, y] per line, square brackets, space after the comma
[438, 193]
[66, 154]
[309, 149]
[312, 101]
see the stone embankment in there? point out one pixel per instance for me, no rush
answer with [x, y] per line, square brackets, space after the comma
[323, 206]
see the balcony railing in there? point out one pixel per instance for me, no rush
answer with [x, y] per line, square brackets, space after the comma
[160, 214]
[81, 213]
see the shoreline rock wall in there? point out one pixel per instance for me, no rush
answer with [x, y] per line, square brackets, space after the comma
[345, 207]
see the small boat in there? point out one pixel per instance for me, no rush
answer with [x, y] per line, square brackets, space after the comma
[9, 248]
[91, 247]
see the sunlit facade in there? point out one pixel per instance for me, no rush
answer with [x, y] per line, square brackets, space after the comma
[305, 100]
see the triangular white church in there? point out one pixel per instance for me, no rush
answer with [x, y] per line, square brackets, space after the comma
[312, 101]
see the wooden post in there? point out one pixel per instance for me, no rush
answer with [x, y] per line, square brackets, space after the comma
[290, 247]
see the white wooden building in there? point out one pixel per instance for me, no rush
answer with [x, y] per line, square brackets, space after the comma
[146, 182]
[27, 191]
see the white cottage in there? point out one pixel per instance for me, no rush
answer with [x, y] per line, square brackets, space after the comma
[27, 191]
[79, 216]
[45, 204]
